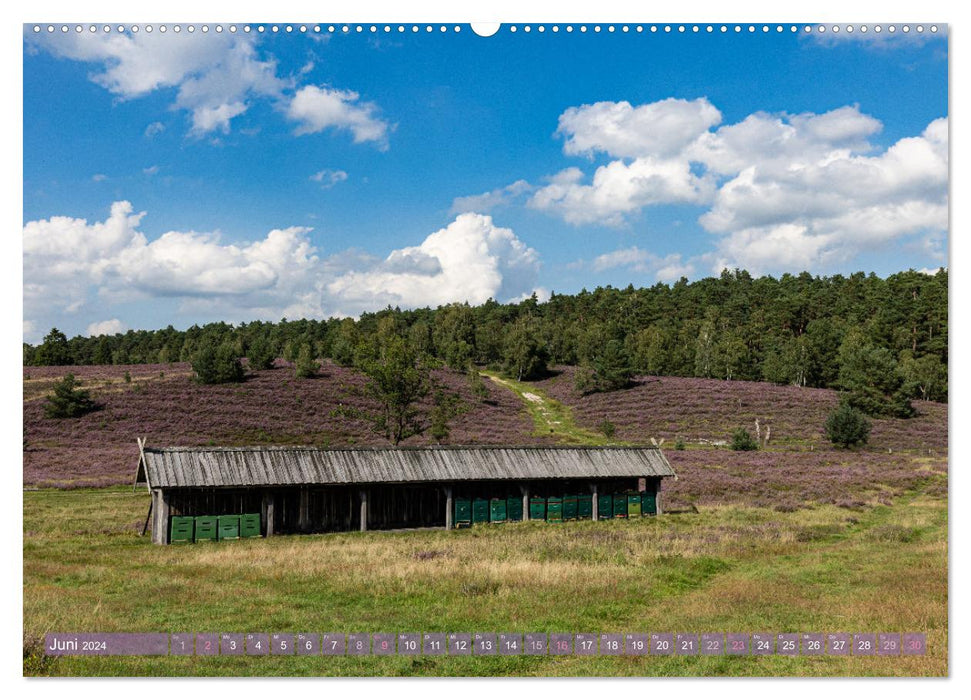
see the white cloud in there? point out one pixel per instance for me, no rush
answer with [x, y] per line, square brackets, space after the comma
[487, 201]
[659, 129]
[154, 129]
[99, 177]
[883, 39]
[151, 170]
[320, 108]
[73, 268]
[328, 178]
[215, 75]
[109, 327]
[665, 269]
[470, 260]
[620, 189]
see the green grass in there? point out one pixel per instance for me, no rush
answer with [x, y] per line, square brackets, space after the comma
[727, 569]
[550, 417]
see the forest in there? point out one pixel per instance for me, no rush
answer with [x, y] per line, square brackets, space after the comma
[882, 337]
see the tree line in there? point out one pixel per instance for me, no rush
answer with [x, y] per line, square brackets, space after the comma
[882, 340]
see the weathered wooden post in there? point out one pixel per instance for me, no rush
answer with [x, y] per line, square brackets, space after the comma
[525, 491]
[363, 510]
[449, 510]
[160, 522]
[303, 516]
[657, 494]
[596, 502]
[268, 512]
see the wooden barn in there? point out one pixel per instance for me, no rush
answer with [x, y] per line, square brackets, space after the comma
[200, 492]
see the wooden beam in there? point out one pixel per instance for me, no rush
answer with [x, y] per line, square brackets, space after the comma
[657, 494]
[449, 509]
[160, 521]
[596, 502]
[524, 489]
[363, 510]
[268, 513]
[303, 516]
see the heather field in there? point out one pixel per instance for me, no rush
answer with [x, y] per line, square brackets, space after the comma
[163, 404]
[795, 537]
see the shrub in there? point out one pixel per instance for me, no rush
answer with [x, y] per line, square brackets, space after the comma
[742, 441]
[68, 400]
[847, 426]
[306, 365]
[679, 443]
[261, 354]
[607, 428]
[217, 365]
[127, 377]
[478, 387]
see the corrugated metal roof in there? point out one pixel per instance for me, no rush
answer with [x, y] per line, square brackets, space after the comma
[176, 467]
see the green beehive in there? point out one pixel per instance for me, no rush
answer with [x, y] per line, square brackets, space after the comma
[537, 508]
[584, 506]
[648, 503]
[480, 510]
[633, 505]
[228, 526]
[180, 529]
[497, 510]
[605, 506]
[554, 509]
[570, 507]
[206, 528]
[249, 525]
[620, 505]
[463, 512]
[514, 508]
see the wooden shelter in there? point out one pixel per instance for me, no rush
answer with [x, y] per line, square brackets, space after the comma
[315, 489]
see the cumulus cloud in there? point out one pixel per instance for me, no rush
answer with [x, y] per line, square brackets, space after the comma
[470, 260]
[328, 178]
[109, 327]
[665, 269]
[781, 191]
[319, 108]
[487, 201]
[154, 129]
[73, 268]
[871, 38]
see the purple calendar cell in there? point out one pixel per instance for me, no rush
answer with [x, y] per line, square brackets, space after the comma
[459, 644]
[231, 644]
[585, 644]
[510, 644]
[358, 644]
[181, 644]
[207, 644]
[611, 644]
[888, 644]
[535, 644]
[787, 644]
[914, 643]
[561, 644]
[712, 644]
[281, 644]
[434, 643]
[763, 644]
[662, 643]
[687, 644]
[409, 644]
[257, 644]
[736, 644]
[308, 644]
[383, 644]
[333, 644]
[839, 644]
[813, 644]
[106, 644]
[484, 644]
[864, 644]
[637, 644]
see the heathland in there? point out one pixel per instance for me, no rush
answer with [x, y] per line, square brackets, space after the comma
[795, 536]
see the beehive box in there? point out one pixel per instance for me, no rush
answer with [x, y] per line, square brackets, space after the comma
[537, 508]
[206, 528]
[620, 505]
[497, 510]
[249, 525]
[584, 506]
[605, 506]
[648, 503]
[514, 508]
[570, 507]
[463, 512]
[181, 528]
[554, 509]
[633, 505]
[228, 526]
[480, 510]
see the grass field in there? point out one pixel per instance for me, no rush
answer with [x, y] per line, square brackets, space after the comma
[725, 569]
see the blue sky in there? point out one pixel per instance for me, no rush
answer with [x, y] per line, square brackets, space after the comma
[175, 179]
